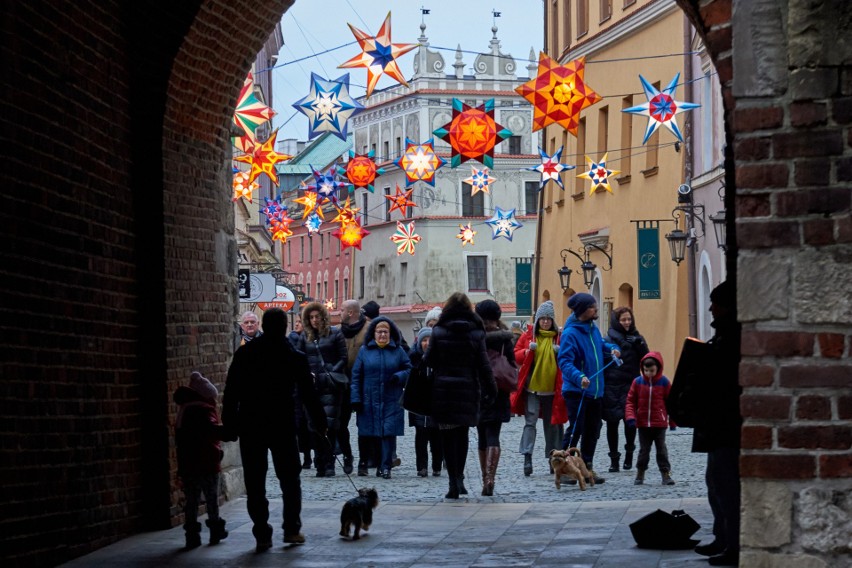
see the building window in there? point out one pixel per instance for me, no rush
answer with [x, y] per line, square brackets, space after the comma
[322, 245]
[387, 204]
[397, 147]
[472, 206]
[566, 24]
[345, 288]
[514, 144]
[308, 289]
[531, 197]
[335, 292]
[386, 146]
[403, 278]
[581, 152]
[380, 293]
[477, 273]
[626, 135]
[338, 246]
[325, 290]
[361, 282]
[553, 29]
[606, 10]
[311, 250]
[603, 131]
[373, 148]
[289, 252]
[582, 17]
[365, 207]
[301, 249]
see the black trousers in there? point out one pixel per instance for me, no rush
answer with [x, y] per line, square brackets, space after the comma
[657, 437]
[254, 449]
[424, 438]
[585, 415]
[455, 441]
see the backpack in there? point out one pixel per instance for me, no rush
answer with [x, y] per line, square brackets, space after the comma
[505, 375]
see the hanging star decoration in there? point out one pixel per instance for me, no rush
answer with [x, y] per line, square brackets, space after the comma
[480, 180]
[550, 168]
[405, 238]
[309, 201]
[243, 187]
[661, 108]
[326, 187]
[329, 304]
[274, 210]
[313, 222]
[466, 234]
[263, 159]
[558, 93]
[361, 170]
[378, 55]
[598, 174]
[400, 201]
[250, 112]
[244, 144]
[280, 229]
[328, 106]
[472, 133]
[345, 214]
[351, 234]
[503, 224]
[419, 162]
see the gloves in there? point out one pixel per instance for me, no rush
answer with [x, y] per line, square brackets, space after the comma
[533, 345]
[631, 423]
[357, 407]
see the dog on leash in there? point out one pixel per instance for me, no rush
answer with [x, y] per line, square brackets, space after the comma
[570, 463]
[358, 512]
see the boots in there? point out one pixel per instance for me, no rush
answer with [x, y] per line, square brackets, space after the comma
[493, 458]
[453, 493]
[483, 465]
[460, 484]
[528, 464]
[193, 535]
[628, 455]
[598, 480]
[217, 530]
[640, 477]
[667, 478]
[614, 458]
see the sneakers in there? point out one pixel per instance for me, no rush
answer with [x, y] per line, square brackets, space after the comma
[422, 473]
[297, 538]
[667, 478]
[436, 473]
[386, 474]
[263, 537]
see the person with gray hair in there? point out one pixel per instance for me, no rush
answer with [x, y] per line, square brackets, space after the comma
[249, 327]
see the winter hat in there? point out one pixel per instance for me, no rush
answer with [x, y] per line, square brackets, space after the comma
[202, 386]
[433, 314]
[489, 310]
[545, 310]
[423, 333]
[370, 309]
[581, 302]
[724, 295]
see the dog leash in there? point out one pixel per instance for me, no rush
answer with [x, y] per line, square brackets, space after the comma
[618, 363]
[337, 459]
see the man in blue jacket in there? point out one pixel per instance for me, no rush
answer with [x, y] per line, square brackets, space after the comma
[582, 356]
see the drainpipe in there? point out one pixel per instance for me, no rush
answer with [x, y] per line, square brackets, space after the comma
[688, 152]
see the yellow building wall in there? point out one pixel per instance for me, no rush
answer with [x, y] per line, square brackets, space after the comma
[649, 195]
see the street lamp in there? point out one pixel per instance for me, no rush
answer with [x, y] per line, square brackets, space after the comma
[679, 240]
[564, 276]
[720, 223]
[588, 267]
[677, 245]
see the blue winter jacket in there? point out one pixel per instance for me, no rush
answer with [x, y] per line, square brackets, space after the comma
[379, 375]
[582, 353]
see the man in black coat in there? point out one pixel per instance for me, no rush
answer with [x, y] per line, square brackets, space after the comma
[259, 406]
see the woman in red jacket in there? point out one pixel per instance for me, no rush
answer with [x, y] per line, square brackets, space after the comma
[539, 391]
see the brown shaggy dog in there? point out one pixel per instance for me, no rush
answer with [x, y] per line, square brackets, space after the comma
[570, 463]
[358, 512]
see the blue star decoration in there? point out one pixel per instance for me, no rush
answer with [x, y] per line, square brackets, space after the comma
[313, 223]
[326, 186]
[550, 168]
[661, 108]
[328, 106]
[503, 223]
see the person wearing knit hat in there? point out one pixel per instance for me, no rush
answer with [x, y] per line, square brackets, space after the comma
[432, 316]
[427, 436]
[517, 332]
[199, 454]
[583, 355]
[539, 392]
[371, 309]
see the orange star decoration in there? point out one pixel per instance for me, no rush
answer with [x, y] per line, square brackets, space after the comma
[378, 55]
[401, 200]
[243, 187]
[480, 180]
[345, 214]
[263, 158]
[351, 234]
[558, 93]
[280, 229]
[472, 133]
[309, 200]
[361, 170]
[466, 234]
[598, 174]
[405, 238]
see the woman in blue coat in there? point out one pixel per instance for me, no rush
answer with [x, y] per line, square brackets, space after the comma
[378, 377]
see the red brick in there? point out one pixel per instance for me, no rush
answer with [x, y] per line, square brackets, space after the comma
[807, 143]
[778, 343]
[814, 171]
[815, 376]
[754, 148]
[844, 407]
[813, 408]
[841, 110]
[818, 232]
[754, 205]
[831, 344]
[768, 234]
[801, 202]
[765, 407]
[832, 437]
[758, 118]
[756, 375]
[844, 229]
[844, 167]
[716, 13]
[725, 70]
[774, 466]
[835, 465]
[717, 40]
[759, 176]
[808, 114]
[756, 437]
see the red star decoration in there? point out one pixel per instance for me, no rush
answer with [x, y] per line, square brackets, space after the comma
[401, 200]
[473, 133]
[351, 234]
[263, 159]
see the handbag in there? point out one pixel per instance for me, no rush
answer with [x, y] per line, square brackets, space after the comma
[417, 395]
[337, 378]
[665, 531]
[687, 400]
[505, 375]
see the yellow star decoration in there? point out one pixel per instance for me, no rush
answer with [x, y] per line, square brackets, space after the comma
[345, 214]
[309, 200]
[263, 159]
[598, 174]
[466, 234]
[243, 187]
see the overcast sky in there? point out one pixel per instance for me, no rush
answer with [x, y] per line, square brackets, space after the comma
[313, 26]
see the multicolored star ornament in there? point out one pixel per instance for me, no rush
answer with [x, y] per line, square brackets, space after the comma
[472, 133]
[313, 222]
[503, 224]
[400, 200]
[274, 209]
[263, 159]
[550, 168]
[326, 186]
[280, 229]
[309, 201]
[466, 234]
[558, 93]
[405, 238]
[598, 174]
[479, 180]
[661, 108]
[361, 170]
[243, 187]
[250, 112]
[328, 106]
[378, 55]
[351, 234]
[419, 162]
[345, 214]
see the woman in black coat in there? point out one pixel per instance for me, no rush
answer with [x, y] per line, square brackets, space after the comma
[497, 338]
[462, 380]
[617, 381]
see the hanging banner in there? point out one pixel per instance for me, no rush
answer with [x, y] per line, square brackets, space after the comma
[523, 287]
[648, 245]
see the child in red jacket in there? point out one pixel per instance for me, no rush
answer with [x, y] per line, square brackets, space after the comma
[646, 409]
[197, 436]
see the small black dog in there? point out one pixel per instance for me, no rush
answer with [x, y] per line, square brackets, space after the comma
[358, 512]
